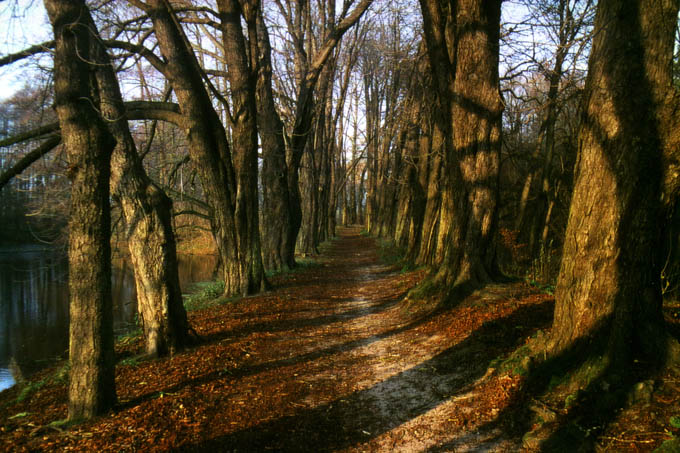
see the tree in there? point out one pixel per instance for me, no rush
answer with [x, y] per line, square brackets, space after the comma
[310, 58]
[462, 39]
[608, 291]
[148, 220]
[226, 188]
[89, 146]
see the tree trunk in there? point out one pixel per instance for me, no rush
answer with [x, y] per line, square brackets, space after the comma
[466, 72]
[609, 286]
[210, 150]
[147, 214]
[242, 82]
[89, 145]
[278, 252]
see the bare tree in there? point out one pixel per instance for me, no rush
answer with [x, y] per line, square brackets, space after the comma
[89, 146]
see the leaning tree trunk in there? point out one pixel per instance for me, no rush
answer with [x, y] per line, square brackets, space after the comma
[609, 282]
[209, 148]
[148, 222]
[89, 145]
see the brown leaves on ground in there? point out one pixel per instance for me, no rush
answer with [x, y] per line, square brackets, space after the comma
[331, 360]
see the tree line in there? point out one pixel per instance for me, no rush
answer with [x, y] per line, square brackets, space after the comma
[479, 149]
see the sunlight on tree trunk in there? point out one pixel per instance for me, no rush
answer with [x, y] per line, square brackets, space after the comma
[89, 146]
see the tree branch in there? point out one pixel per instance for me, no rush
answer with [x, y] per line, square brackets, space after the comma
[29, 159]
[28, 135]
[33, 50]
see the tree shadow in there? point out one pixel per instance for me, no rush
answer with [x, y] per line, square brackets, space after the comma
[299, 323]
[292, 326]
[370, 412]
[617, 360]
[548, 425]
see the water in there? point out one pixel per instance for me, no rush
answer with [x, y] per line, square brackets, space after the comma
[34, 305]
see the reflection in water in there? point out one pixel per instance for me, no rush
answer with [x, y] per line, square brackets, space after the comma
[34, 304]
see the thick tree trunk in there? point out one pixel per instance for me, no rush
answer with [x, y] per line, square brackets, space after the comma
[242, 82]
[609, 285]
[431, 180]
[468, 76]
[209, 148]
[148, 220]
[88, 145]
[278, 252]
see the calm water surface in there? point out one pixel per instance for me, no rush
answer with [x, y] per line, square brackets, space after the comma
[34, 305]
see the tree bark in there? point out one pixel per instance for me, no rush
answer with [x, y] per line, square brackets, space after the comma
[609, 282]
[147, 214]
[241, 74]
[278, 251]
[89, 146]
[209, 148]
[463, 44]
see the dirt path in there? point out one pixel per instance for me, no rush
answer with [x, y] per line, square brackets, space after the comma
[332, 360]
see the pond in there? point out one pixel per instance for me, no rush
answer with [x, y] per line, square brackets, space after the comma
[34, 312]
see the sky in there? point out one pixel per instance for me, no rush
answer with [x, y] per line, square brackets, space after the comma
[22, 23]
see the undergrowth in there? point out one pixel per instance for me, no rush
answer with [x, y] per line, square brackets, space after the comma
[301, 264]
[393, 255]
[59, 377]
[206, 295]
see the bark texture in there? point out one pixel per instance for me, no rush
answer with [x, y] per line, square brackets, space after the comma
[609, 285]
[89, 146]
[463, 42]
[278, 242]
[148, 221]
[241, 74]
[209, 148]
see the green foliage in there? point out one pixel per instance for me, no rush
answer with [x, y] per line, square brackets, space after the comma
[675, 421]
[389, 253]
[62, 424]
[669, 446]
[130, 336]
[206, 295]
[425, 289]
[30, 388]
[59, 377]
[517, 363]
[129, 361]
[547, 288]
[301, 264]
[571, 400]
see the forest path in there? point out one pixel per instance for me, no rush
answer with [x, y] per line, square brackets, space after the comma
[331, 360]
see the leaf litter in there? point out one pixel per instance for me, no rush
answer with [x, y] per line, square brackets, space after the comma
[333, 359]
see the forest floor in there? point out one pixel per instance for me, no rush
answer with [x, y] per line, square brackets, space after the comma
[335, 358]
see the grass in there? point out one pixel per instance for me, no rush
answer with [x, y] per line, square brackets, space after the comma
[206, 295]
[60, 376]
[301, 264]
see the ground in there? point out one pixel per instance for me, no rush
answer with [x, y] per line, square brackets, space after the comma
[335, 358]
